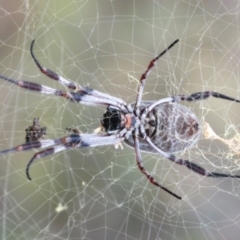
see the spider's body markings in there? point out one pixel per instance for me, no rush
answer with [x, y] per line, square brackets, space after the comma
[171, 127]
[163, 126]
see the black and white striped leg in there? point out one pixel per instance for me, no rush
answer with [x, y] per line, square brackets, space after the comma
[79, 89]
[203, 95]
[75, 141]
[53, 146]
[144, 171]
[193, 97]
[198, 169]
[51, 74]
[192, 166]
[145, 74]
[44, 143]
[72, 96]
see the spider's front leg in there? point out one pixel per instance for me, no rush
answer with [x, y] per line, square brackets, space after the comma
[84, 95]
[78, 97]
[75, 141]
[53, 146]
[71, 85]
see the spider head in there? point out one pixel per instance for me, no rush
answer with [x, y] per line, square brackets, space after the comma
[112, 120]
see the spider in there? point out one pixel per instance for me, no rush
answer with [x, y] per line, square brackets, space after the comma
[35, 132]
[162, 127]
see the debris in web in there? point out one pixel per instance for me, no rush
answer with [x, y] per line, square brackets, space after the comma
[233, 143]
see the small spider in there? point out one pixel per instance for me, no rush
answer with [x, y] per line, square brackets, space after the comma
[163, 127]
[35, 132]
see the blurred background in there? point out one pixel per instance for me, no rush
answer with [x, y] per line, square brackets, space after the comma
[107, 45]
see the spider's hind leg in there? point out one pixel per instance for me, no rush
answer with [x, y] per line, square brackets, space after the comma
[192, 166]
[143, 170]
[203, 95]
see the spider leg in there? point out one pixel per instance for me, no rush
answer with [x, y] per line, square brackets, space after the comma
[198, 169]
[144, 171]
[57, 145]
[44, 153]
[192, 166]
[53, 146]
[203, 95]
[51, 74]
[72, 96]
[193, 97]
[75, 141]
[79, 89]
[145, 74]
[32, 145]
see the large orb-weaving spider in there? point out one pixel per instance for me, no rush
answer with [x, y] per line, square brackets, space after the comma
[164, 126]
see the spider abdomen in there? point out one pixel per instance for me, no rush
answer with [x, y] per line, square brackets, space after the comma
[172, 128]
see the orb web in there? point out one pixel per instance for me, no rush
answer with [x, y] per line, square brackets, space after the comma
[100, 193]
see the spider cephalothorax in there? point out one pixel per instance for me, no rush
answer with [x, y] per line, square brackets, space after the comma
[162, 126]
